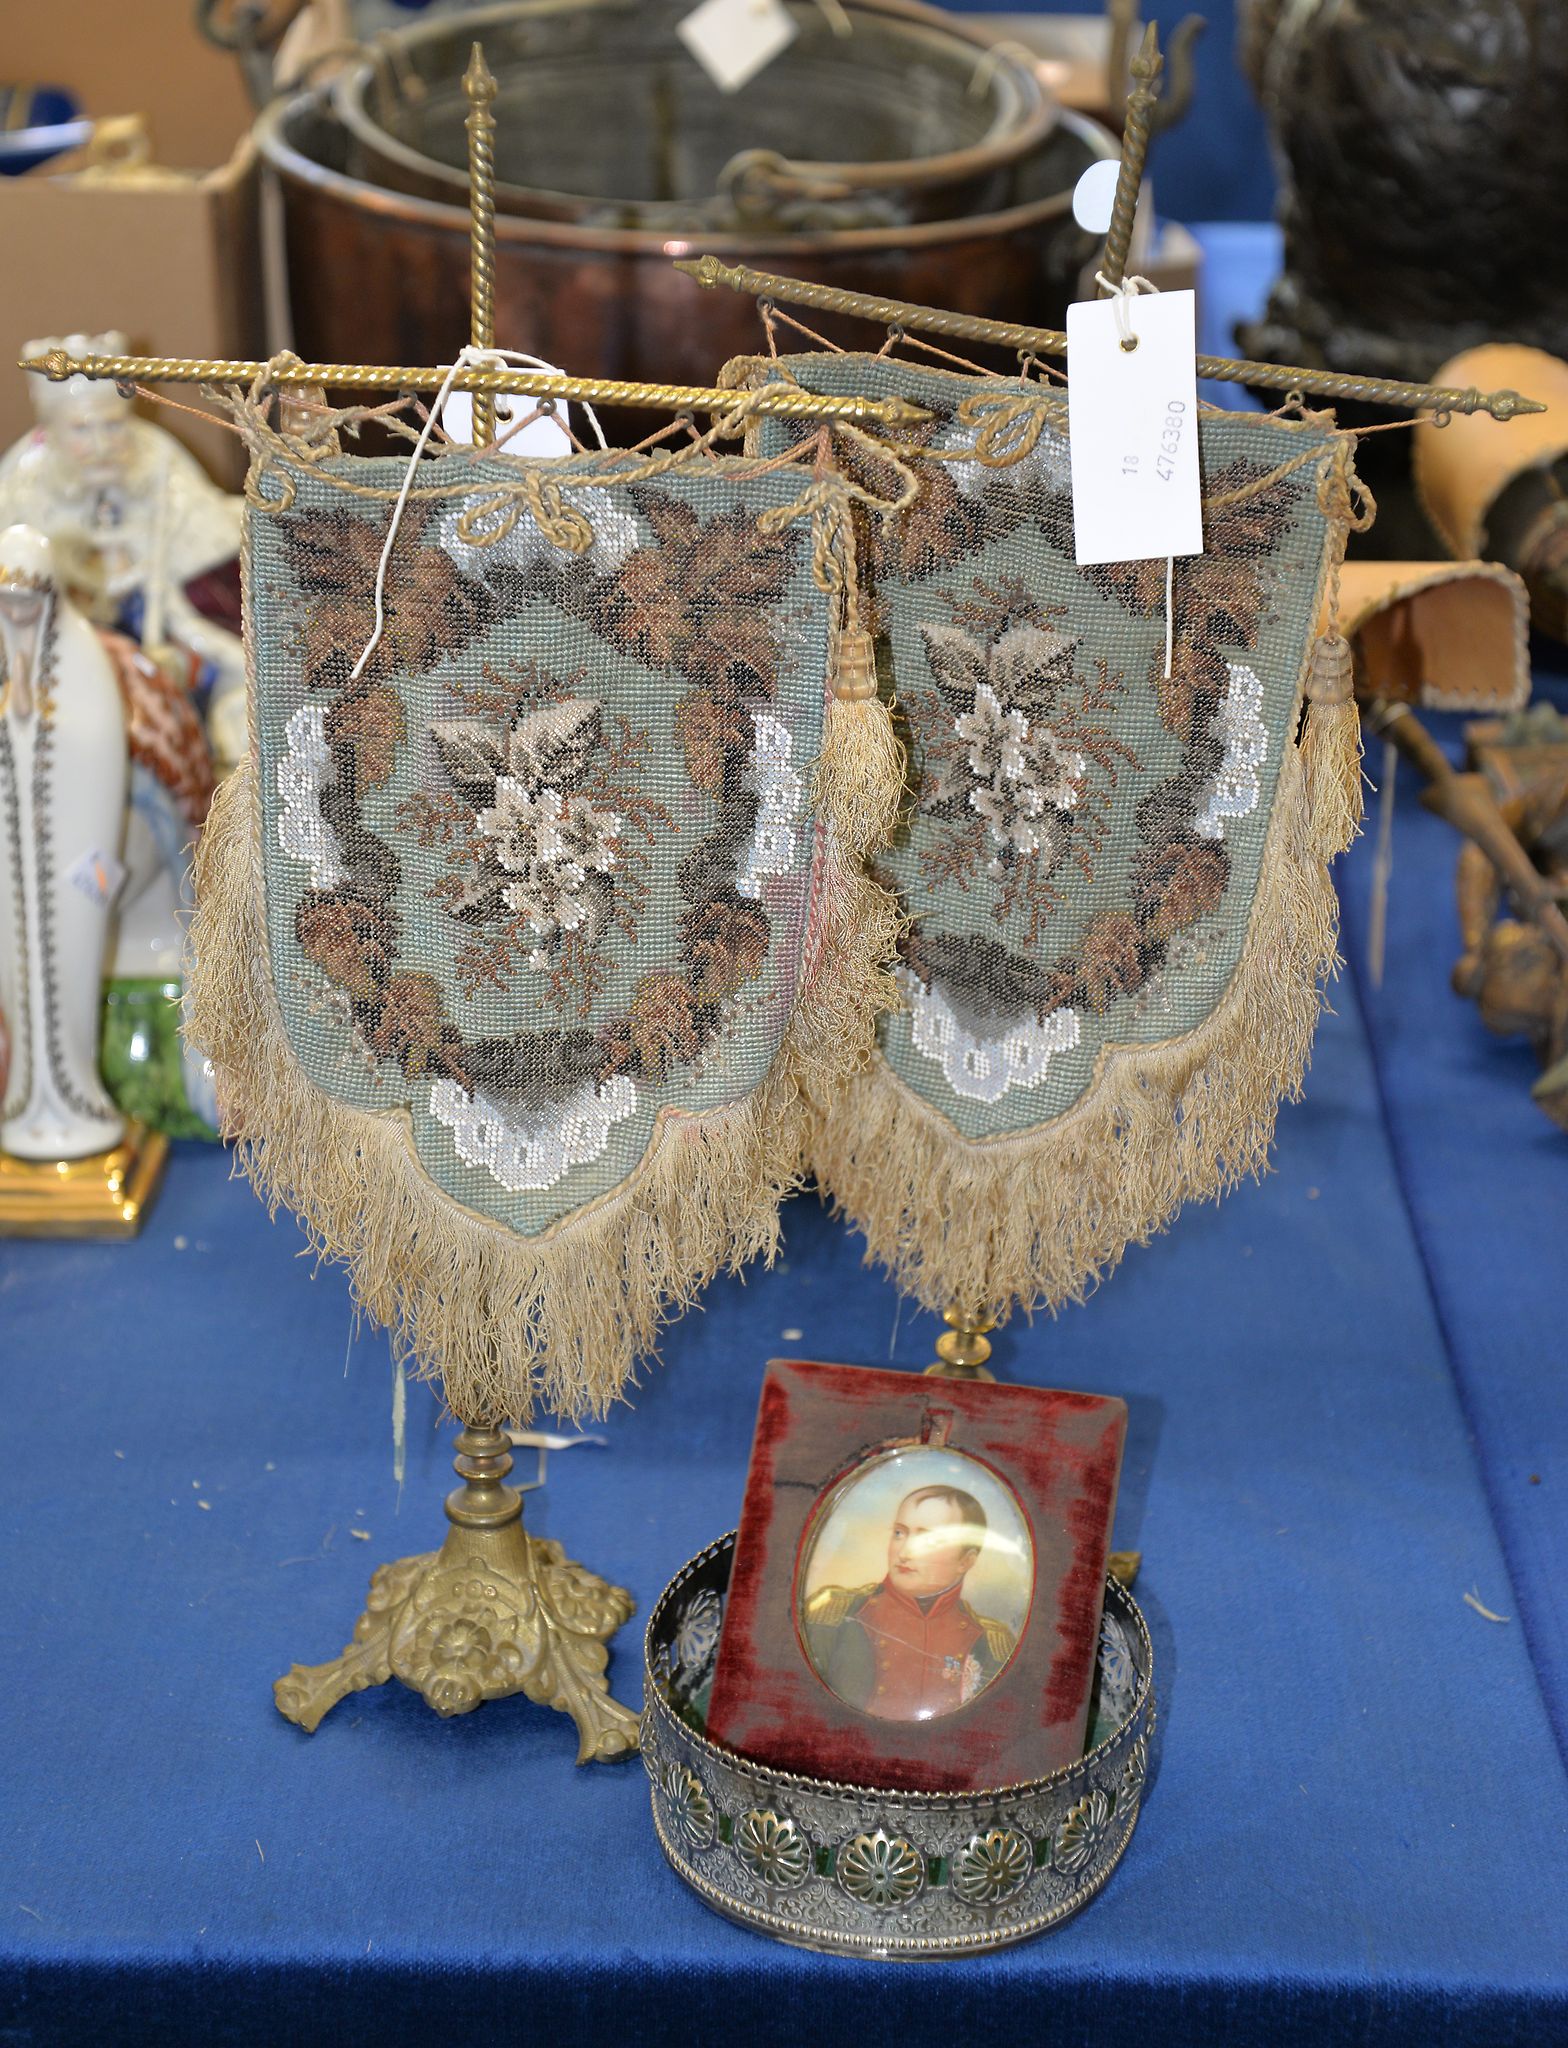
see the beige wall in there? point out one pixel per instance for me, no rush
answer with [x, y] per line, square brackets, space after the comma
[144, 57]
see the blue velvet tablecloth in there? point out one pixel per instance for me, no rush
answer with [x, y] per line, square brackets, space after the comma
[1340, 1384]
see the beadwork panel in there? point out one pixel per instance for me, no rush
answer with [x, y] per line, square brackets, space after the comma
[1082, 853]
[540, 873]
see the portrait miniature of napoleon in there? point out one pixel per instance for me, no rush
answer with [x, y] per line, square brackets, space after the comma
[921, 1641]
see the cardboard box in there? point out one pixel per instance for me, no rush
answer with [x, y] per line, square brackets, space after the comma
[174, 266]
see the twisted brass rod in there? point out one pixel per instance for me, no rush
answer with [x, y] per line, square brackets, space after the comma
[780, 400]
[479, 89]
[1050, 341]
[1146, 69]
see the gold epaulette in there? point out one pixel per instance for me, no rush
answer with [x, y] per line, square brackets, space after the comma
[999, 1638]
[830, 1607]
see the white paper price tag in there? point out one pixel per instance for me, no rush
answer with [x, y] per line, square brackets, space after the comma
[543, 436]
[1133, 421]
[734, 39]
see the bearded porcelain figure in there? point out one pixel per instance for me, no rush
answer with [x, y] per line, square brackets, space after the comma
[131, 514]
[63, 779]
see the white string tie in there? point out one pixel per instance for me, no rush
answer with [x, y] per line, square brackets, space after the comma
[1122, 296]
[473, 358]
[1170, 584]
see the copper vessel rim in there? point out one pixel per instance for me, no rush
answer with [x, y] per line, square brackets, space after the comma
[1041, 113]
[291, 162]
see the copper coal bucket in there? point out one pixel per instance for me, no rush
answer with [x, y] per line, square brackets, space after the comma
[882, 111]
[376, 275]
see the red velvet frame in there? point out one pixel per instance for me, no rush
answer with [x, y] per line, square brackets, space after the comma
[1061, 1455]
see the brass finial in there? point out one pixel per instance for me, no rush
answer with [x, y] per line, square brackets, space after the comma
[478, 79]
[1146, 69]
[479, 89]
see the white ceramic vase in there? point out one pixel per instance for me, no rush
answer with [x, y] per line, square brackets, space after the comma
[63, 777]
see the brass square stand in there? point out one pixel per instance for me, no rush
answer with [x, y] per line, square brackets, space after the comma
[104, 1195]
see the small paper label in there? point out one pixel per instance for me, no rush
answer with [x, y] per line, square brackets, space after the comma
[543, 436]
[1094, 196]
[1133, 424]
[98, 875]
[733, 39]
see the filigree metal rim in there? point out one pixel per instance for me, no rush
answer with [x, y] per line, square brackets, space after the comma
[891, 1945]
[925, 1802]
[952, 1912]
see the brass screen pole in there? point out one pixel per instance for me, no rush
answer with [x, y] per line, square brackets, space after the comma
[1146, 69]
[1051, 341]
[479, 88]
[785, 401]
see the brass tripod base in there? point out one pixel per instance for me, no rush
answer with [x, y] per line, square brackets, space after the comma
[493, 1612]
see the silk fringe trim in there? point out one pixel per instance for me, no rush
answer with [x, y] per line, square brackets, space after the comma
[1040, 1218]
[507, 1322]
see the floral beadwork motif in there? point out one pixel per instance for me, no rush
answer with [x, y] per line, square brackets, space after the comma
[992, 1867]
[978, 1067]
[1236, 789]
[302, 775]
[544, 830]
[881, 1870]
[1014, 738]
[543, 856]
[1081, 808]
[772, 1848]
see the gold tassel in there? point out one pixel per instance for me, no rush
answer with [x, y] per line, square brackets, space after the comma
[1331, 747]
[860, 776]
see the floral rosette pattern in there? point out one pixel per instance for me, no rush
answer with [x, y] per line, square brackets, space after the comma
[517, 1018]
[1112, 868]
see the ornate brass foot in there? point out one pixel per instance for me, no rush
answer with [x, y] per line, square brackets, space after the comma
[962, 1353]
[493, 1612]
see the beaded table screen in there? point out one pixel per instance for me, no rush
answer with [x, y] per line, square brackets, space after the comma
[1112, 862]
[516, 932]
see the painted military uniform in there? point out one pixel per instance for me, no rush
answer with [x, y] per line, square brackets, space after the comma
[900, 1658]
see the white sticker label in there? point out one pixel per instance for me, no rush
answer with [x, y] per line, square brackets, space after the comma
[1133, 426]
[543, 436]
[733, 39]
[98, 875]
[1094, 196]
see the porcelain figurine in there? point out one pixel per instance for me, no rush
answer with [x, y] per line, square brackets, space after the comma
[62, 823]
[149, 1070]
[134, 519]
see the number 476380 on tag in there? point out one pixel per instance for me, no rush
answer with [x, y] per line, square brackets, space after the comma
[1133, 424]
